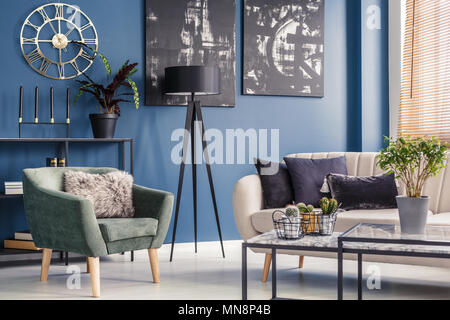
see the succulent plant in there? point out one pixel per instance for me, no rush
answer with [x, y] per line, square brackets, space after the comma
[292, 212]
[303, 208]
[328, 206]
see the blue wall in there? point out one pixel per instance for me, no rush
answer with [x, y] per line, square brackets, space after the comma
[336, 122]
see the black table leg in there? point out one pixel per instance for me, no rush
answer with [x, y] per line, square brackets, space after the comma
[61, 256]
[66, 145]
[244, 272]
[359, 276]
[274, 273]
[122, 157]
[67, 259]
[132, 256]
[340, 270]
[132, 157]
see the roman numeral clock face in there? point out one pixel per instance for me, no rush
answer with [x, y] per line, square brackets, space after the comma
[50, 38]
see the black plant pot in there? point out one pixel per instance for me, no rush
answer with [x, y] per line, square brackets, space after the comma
[103, 125]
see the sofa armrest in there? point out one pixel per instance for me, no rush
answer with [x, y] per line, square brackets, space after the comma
[62, 221]
[247, 199]
[150, 203]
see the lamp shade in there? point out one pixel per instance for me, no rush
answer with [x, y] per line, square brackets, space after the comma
[188, 80]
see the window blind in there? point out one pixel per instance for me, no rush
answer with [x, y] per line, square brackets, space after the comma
[425, 87]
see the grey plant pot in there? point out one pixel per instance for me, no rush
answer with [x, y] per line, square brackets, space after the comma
[413, 214]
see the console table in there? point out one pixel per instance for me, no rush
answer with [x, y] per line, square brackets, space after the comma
[64, 143]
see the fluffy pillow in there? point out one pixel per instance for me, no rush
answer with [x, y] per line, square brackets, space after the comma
[110, 193]
[373, 192]
[276, 184]
[307, 176]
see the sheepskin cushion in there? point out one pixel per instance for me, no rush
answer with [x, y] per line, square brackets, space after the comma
[110, 193]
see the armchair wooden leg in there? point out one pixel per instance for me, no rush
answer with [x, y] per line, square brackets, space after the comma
[87, 265]
[46, 257]
[267, 262]
[94, 269]
[153, 256]
[300, 261]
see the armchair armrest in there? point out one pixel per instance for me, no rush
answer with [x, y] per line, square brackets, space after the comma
[150, 203]
[247, 199]
[62, 221]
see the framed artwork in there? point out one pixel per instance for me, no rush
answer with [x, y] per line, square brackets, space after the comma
[284, 47]
[185, 33]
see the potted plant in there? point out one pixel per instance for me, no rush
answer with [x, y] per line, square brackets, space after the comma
[413, 161]
[108, 98]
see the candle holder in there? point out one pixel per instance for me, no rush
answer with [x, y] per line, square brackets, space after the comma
[36, 121]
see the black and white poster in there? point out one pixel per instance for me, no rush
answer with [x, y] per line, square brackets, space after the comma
[186, 33]
[284, 47]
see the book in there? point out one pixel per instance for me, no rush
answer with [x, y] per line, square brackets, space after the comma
[24, 235]
[13, 191]
[13, 183]
[21, 245]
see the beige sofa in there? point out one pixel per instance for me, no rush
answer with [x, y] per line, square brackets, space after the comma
[251, 219]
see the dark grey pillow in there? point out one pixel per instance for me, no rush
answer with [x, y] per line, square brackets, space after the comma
[373, 192]
[276, 184]
[307, 176]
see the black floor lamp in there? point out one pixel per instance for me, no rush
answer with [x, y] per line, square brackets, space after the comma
[193, 81]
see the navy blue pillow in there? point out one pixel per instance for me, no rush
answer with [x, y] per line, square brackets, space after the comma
[276, 185]
[307, 176]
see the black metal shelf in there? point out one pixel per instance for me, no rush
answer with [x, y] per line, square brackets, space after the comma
[18, 251]
[10, 196]
[24, 140]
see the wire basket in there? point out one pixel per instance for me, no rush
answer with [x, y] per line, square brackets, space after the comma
[287, 228]
[317, 223]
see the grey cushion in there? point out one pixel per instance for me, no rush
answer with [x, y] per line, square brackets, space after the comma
[127, 228]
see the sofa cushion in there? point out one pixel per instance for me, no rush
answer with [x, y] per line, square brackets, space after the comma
[262, 220]
[277, 185]
[371, 192]
[441, 219]
[307, 176]
[114, 229]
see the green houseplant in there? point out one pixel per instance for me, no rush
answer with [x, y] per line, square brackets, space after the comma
[413, 161]
[109, 96]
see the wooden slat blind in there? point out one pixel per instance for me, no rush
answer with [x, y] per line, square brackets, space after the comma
[425, 92]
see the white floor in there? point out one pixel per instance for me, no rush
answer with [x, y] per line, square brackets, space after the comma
[207, 275]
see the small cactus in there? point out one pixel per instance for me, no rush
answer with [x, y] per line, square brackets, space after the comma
[303, 208]
[292, 212]
[333, 206]
[328, 206]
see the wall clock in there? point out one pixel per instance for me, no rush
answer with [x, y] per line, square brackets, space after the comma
[48, 41]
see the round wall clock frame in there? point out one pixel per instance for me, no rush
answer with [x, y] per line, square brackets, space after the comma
[48, 41]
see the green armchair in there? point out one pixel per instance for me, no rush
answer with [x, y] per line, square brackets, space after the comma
[65, 222]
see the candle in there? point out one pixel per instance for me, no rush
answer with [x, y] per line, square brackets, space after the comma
[68, 106]
[52, 119]
[21, 105]
[36, 105]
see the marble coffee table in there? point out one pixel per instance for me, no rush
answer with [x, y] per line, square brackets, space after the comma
[384, 239]
[361, 239]
[269, 240]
